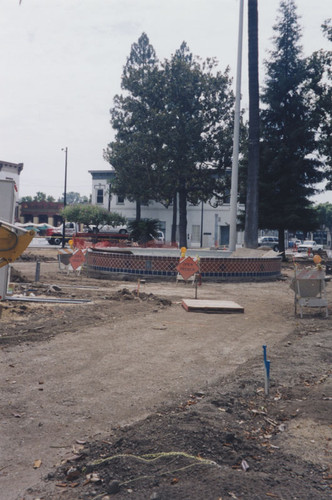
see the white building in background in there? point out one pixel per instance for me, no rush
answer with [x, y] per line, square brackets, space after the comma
[206, 226]
[11, 171]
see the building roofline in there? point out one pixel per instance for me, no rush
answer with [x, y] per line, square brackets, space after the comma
[19, 166]
[100, 171]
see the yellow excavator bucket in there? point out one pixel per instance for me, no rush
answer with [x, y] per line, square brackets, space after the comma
[12, 245]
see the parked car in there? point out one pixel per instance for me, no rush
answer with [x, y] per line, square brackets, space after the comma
[111, 229]
[160, 238]
[294, 242]
[269, 241]
[309, 245]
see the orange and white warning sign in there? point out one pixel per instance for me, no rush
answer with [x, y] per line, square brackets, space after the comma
[77, 259]
[187, 267]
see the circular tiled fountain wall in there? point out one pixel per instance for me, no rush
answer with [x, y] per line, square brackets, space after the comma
[163, 266]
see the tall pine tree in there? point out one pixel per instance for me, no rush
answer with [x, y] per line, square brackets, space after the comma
[173, 131]
[197, 132]
[320, 68]
[134, 151]
[290, 168]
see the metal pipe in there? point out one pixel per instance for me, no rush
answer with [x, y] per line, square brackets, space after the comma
[37, 273]
[19, 229]
[266, 372]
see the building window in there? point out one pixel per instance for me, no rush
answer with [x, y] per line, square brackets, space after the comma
[100, 196]
[120, 200]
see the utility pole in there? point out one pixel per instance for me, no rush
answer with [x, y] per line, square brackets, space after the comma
[202, 220]
[235, 162]
[64, 199]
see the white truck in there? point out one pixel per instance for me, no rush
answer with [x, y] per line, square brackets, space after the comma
[309, 246]
[54, 234]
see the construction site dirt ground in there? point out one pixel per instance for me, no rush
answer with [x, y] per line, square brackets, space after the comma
[134, 397]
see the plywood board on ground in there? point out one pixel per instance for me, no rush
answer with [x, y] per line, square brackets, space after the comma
[212, 306]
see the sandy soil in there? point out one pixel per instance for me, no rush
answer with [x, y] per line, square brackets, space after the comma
[133, 397]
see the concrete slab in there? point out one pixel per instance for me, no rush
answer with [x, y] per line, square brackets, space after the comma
[211, 306]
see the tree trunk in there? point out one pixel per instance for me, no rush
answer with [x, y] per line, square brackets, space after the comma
[251, 220]
[281, 234]
[138, 210]
[183, 217]
[175, 216]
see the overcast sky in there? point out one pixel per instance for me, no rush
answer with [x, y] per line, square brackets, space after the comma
[61, 63]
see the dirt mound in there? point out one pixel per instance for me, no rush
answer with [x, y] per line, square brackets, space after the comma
[34, 257]
[225, 443]
[125, 294]
[16, 276]
[41, 320]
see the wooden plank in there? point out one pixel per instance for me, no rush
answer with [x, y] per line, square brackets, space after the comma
[211, 306]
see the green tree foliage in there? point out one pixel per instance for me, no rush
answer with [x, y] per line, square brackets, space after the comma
[320, 71]
[73, 197]
[133, 152]
[197, 132]
[39, 196]
[290, 168]
[92, 215]
[324, 215]
[143, 230]
[327, 28]
[173, 130]
[327, 103]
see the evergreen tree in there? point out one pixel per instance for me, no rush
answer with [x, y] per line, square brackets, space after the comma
[173, 131]
[132, 154]
[290, 168]
[327, 28]
[324, 214]
[326, 104]
[196, 132]
[39, 196]
[73, 198]
[320, 70]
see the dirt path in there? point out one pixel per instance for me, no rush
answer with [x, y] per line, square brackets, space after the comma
[113, 362]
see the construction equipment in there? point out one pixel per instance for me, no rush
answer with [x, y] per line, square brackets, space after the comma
[310, 291]
[13, 241]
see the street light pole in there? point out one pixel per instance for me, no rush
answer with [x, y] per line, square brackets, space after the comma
[202, 218]
[235, 162]
[64, 199]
